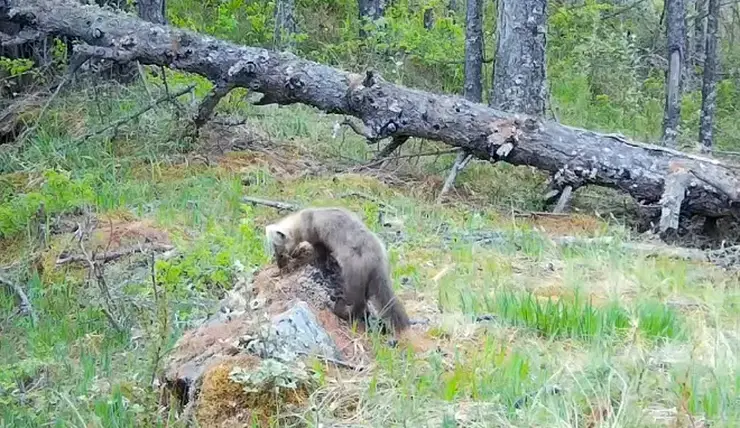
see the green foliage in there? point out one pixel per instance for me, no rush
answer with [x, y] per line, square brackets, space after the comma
[58, 193]
[15, 67]
[581, 320]
[271, 376]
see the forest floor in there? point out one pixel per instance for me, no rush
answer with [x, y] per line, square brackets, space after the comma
[575, 336]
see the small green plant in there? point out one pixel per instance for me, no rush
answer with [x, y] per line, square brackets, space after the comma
[271, 376]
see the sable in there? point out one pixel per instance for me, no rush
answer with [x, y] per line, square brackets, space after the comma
[361, 256]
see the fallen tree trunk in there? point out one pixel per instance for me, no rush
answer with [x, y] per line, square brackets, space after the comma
[574, 157]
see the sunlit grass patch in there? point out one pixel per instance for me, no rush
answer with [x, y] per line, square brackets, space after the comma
[577, 319]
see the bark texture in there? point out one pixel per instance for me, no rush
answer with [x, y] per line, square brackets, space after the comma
[675, 35]
[519, 74]
[285, 25]
[152, 11]
[700, 20]
[574, 157]
[709, 84]
[473, 88]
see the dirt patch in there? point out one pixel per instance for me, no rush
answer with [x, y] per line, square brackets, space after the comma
[566, 225]
[112, 234]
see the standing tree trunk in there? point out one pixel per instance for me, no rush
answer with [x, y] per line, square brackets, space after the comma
[519, 73]
[473, 89]
[675, 31]
[709, 84]
[152, 11]
[699, 32]
[285, 26]
[369, 11]
[428, 18]
[452, 6]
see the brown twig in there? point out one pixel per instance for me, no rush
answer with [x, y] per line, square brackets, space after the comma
[25, 305]
[113, 255]
[96, 270]
[344, 364]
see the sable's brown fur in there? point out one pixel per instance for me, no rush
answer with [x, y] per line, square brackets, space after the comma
[360, 254]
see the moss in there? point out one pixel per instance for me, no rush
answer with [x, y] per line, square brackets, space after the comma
[223, 402]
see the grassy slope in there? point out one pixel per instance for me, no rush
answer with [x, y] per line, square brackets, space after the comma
[632, 341]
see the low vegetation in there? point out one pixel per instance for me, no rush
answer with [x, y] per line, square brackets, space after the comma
[538, 334]
[530, 333]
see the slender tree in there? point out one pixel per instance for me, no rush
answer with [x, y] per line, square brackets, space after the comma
[519, 84]
[369, 10]
[700, 20]
[473, 89]
[152, 11]
[709, 84]
[675, 35]
[285, 25]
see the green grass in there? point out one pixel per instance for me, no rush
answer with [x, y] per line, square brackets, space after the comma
[614, 331]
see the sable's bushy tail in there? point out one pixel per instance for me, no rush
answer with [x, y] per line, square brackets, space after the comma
[389, 307]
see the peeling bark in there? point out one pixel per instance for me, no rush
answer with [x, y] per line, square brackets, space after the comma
[675, 35]
[676, 185]
[709, 84]
[574, 157]
[519, 73]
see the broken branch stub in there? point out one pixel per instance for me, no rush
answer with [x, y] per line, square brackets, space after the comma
[388, 110]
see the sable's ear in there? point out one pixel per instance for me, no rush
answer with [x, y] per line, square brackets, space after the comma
[274, 234]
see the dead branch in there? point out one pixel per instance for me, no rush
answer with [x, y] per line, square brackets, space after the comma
[563, 200]
[25, 305]
[461, 161]
[210, 101]
[114, 255]
[389, 148]
[282, 206]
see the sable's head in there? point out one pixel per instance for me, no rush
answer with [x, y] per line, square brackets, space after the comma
[280, 241]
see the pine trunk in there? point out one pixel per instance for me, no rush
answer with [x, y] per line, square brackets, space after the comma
[709, 84]
[519, 74]
[473, 87]
[285, 25]
[675, 35]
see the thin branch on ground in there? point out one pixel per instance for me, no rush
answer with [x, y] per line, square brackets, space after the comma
[96, 271]
[344, 364]
[25, 305]
[113, 255]
[282, 206]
